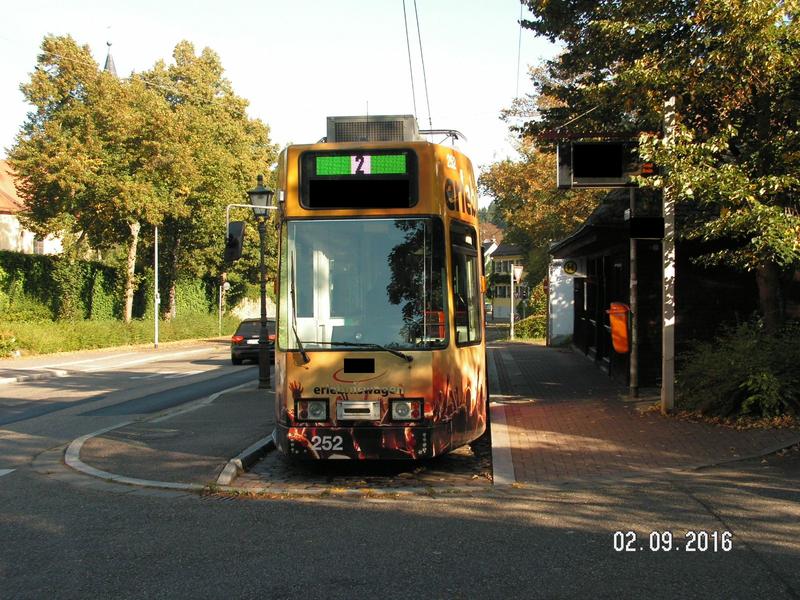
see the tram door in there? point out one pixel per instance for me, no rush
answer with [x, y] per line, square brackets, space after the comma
[467, 391]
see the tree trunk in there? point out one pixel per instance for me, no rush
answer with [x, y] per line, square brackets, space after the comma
[769, 296]
[767, 273]
[130, 270]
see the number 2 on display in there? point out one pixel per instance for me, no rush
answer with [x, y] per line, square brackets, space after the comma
[359, 164]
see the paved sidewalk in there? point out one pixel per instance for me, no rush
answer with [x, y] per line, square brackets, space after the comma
[557, 417]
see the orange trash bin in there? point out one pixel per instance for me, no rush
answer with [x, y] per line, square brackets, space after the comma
[618, 315]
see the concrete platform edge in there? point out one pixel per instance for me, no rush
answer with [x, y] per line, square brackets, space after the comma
[242, 461]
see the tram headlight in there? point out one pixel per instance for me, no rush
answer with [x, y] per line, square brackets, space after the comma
[311, 410]
[404, 409]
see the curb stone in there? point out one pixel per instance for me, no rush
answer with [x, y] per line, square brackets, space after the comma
[49, 374]
[245, 459]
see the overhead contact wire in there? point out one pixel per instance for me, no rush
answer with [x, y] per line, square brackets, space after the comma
[519, 49]
[422, 58]
[410, 68]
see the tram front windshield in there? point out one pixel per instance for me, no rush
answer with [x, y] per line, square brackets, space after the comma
[363, 281]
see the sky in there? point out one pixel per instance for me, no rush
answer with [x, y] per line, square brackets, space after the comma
[299, 61]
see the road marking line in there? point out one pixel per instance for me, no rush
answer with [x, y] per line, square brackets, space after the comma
[5, 471]
[79, 362]
[186, 374]
[151, 358]
[156, 374]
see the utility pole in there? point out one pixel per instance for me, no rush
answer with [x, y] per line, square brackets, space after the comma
[668, 261]
[263, 351]
[156, 298]
[511, 273]
[633, 386]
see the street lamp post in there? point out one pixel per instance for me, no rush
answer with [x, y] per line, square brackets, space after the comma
[261, 198]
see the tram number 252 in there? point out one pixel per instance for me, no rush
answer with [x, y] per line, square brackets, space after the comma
[327, 442]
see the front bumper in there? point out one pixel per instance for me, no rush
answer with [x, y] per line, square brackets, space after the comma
[363, 443]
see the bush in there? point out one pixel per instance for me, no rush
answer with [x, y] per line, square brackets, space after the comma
[103, 304]
[537, 303]
[8, 344]
[67, 300]
[743, 372]
[531, 327]
[534, 326]
[25, 307]
[192, 297]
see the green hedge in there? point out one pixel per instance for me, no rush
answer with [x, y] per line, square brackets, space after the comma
[35, 287]
[194, 296]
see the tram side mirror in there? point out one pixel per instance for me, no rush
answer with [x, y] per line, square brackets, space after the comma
[234, 241]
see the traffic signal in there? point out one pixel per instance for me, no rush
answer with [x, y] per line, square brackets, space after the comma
[234, 241]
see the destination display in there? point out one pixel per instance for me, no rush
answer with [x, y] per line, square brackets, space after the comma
[385, 179]
[362, 164]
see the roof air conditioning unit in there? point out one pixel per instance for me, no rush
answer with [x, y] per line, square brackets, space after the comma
[379, 128]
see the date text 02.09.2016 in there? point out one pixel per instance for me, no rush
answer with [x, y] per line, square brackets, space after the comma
[665, 541]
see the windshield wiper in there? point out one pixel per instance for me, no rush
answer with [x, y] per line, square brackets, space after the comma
[403, 355]
[306, 359]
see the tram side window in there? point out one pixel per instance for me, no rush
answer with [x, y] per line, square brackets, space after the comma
[466, 298]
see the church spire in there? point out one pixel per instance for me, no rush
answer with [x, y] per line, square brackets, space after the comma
[110, 68]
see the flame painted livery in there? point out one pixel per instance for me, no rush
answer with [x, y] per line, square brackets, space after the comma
[380, 351]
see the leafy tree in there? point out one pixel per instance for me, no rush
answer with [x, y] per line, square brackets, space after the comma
[97, 155]
[537, 213]
[492, 214]
[225, 150]
[734, 67]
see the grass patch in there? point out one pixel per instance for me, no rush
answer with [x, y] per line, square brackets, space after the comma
[45, 337]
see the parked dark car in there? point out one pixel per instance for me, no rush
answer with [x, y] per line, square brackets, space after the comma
[244, 343]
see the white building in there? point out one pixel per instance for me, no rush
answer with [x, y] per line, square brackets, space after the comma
[562, 299]
[12, 234]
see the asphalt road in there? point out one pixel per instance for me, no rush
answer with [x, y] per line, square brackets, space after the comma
[98, 389]
[555, 542]
[78, 540]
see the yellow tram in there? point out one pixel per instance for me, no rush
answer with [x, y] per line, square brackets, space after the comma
[380, 349]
